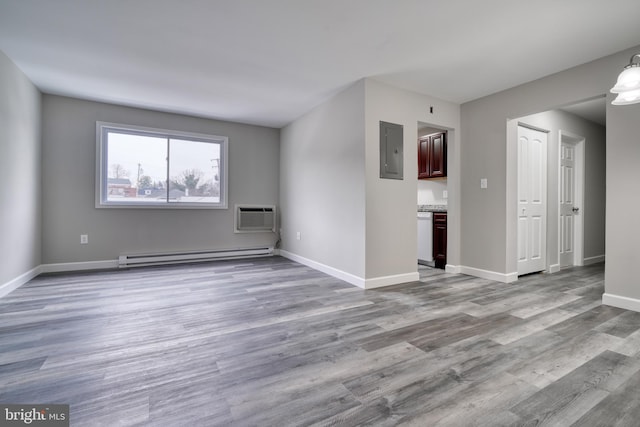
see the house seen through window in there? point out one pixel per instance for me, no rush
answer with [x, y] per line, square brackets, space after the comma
[144, 167]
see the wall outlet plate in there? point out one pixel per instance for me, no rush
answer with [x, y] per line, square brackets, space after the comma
[483, 183]
[84, 239]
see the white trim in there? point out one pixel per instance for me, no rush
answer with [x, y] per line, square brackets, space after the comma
[453, 269]
[490, 275]
[360, 282]
[534, 128]
[396, 279]
[14, 284]
[79, 266]
[621, 302]
[554, 268]
[342, 275]
[594, 259]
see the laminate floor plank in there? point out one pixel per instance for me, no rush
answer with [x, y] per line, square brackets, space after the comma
[621, 408]
[566, 400]
[267, 341]
[552, 365]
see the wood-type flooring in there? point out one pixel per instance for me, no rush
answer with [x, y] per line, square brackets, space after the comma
[269, 342]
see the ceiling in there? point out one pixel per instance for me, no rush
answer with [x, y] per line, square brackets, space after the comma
[267, 62]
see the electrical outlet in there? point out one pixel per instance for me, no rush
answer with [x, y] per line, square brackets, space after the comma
[298, 236]
[483, 183]
[84, 239]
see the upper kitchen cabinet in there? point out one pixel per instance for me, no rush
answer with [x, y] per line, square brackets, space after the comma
[432, 156]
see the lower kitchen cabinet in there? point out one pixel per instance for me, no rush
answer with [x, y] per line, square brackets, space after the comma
[440, 239]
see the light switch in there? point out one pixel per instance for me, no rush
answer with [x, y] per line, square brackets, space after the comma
[445, 194]
[483, 183]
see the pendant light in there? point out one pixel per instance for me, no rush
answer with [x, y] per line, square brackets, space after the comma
[628, 85]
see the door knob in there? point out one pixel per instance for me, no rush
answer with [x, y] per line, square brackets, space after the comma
[575, 210]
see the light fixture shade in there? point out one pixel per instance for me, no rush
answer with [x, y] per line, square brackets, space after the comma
[628, 80]
[628, 97]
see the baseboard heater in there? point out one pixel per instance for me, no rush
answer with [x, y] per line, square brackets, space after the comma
[140, 260]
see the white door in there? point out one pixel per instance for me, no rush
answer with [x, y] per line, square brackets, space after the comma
[571, 200]
[567, 202]
[532, 200]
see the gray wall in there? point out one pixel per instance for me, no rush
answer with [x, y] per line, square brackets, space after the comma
[485, 239]
[593, 210]
[353, 223]
[68, 168]
[322, 183]
[20, 214]
[391, 214]
[623, 203]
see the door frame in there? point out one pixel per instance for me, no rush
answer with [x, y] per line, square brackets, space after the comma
[578, 225]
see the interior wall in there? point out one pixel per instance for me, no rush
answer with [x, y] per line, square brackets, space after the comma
[623, 204]
[69, 174]
[485, 239]
[20, 154]
[391, 204]
[430, 191]
[322, 185]
[593, 210]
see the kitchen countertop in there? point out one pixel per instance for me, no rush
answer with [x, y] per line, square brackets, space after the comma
[432, 208]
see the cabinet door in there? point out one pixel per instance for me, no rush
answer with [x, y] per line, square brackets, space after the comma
[423, 157]
[438, 156]
[440, 239]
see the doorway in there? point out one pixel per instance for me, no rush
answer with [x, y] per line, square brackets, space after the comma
[432, 194]
[574, 125]
[571, 200]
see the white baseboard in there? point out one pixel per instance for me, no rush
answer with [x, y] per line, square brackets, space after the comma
[342, 275]
[14, 284]
[351, 278]
[554, 268]
[489, 275]
[621, 302]
[396, 279]
[593, 260]
[79, 266]
[454, 269]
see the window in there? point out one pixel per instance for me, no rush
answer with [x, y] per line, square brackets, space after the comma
[154, 168]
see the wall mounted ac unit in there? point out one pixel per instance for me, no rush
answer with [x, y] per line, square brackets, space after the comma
[255, 219]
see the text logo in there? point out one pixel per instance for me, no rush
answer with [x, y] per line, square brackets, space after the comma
[34, 415]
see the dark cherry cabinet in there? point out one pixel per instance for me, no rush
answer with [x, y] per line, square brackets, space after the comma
[440, 239]
[438, 155]
[423, 157]
[432, 156]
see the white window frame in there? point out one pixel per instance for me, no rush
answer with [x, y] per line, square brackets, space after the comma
[102, 169]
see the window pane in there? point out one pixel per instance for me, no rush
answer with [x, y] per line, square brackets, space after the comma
[159, 169]
[137, 168]
[194, 171]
